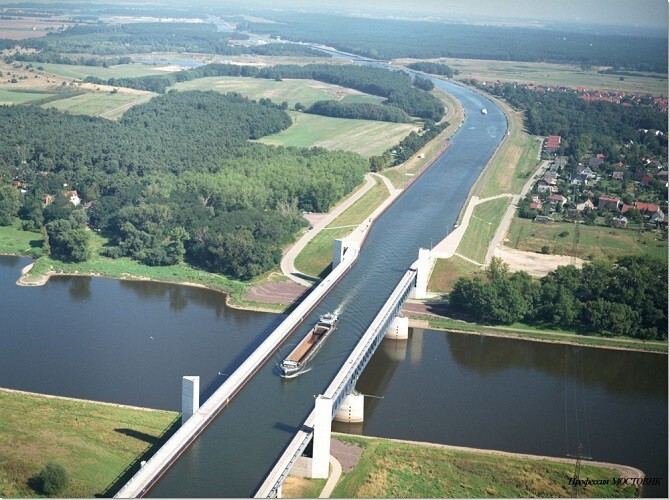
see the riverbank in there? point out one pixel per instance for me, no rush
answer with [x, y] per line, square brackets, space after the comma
[524, 332]
[390, 468]
[97, 443]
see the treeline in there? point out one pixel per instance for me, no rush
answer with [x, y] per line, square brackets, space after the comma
[587, 126]
[175, 179]
[393, 39]
[434, 68]
[407, 147]
[56, 58]
[359, 111]
[628, 297]
[395, 86]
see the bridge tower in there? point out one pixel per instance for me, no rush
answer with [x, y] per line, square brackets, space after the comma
[190, 397]
[323, 416]
[340, 247]
[422, 274]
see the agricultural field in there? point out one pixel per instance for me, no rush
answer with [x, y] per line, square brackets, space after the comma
[306, 92]
[106, 105]
[81, 72]
[94, 442]
[590, 242]
[29, 27]
[485, 220]
[365, 137]
[17, 97]
[554, 74]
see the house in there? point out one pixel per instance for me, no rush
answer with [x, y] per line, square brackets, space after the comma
[607, 203]
[556, 199]
[657, 217]
[588, 204]
[535, 205]
[552, 143]
[544, 187]
[648, 208]
[646, 180]
[586, 171]
[620, 221]
[73, 197]
[560, 162]
[626, 208]
[595, 162]
[663, 175]
[617, 176]
[543, 219]
[551, 178]
[48, 198]
[579, 179]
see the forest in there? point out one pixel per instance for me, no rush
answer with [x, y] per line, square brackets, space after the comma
[392, 39]
[359, 111]
[626, 297]
[434, 68]
[396, 86]
[176, 178]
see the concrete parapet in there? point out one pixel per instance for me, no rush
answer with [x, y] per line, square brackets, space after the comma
[190, 397]
[323, 418]
[423, 269]
[352, 409]
[399, 329]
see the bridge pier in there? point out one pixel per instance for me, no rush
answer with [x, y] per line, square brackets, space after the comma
[190, 397]
[323, 417]
[422, 274]
[352, 409]
[399, 329]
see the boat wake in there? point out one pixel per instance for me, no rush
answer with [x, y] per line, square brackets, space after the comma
[294, 375]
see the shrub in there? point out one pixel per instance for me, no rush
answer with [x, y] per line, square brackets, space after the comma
[53, 478]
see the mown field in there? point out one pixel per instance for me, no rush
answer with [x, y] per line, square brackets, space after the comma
[18, 97]
[94, 442]
[365, 137]
[591, 242]
[81, 72]
[106, 105]
[306, 92]
[447, 271]
[317, 256]
[391, 469]
[554, 74]
[483, 224]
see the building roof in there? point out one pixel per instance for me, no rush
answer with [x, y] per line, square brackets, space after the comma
[647, 207]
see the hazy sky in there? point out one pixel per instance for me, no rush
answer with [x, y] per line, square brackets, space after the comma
[651, 13]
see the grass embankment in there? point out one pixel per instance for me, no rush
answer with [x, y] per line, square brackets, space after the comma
[555, 75]
[365, 137]
[525, 332]
[95, 442]
[483, 225]
[404, 172]
[302, 487]
[590, 242]
[317, 256]
[15, 241]
[81, 72]
[391, 469]
[447, 271]
[306, 92]
[106, 105]
[8, 96]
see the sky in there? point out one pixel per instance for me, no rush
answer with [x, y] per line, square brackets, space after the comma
[640, 13]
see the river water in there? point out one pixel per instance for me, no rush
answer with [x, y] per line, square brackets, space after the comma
[131, 342]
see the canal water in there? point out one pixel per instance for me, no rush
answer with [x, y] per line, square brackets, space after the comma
[468, 390]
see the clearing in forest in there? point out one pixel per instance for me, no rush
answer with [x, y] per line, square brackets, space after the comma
[106, 105]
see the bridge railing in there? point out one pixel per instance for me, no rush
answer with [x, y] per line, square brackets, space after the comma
[342, 384]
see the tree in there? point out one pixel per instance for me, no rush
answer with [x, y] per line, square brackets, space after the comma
[497, 269]
[66, 242]
[53, 479]
[9, 204]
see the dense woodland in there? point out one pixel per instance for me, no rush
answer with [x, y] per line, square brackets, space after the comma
[396, 86]
[434, 68]
[176, 178]
[391, 39]
[627, 297]
[359, 110]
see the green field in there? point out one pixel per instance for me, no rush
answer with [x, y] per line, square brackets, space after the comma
[317, 256]
[81, 72]
[94, 442]
[306, 92]
[106, 105]
[592, 241]
[15, 241]
[447, 271]
[485, 220]
[391, 469]
[365, 137]
[17, 97]
[555, 74]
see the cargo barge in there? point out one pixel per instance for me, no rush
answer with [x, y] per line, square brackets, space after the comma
[295, 362]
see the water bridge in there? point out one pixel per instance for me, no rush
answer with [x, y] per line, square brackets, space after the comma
[247, 437]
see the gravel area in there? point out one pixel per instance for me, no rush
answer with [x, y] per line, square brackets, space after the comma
[347, 454]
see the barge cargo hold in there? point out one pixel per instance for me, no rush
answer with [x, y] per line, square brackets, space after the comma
[294, 364]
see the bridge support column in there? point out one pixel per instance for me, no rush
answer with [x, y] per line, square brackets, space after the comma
[190, 397]
[399, 329]
[340, 247]
[323, 417]
[422, 274]
[351, 410]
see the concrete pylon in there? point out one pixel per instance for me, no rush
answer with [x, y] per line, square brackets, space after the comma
[190, 397]
[399, 329]
[339, 247]
[352, 409]
[323, 417]
[422, 274]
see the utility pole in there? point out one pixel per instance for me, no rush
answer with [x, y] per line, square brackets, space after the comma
[578, 468]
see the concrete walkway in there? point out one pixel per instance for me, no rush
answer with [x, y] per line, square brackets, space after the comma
[288, 260]
[333, 478]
